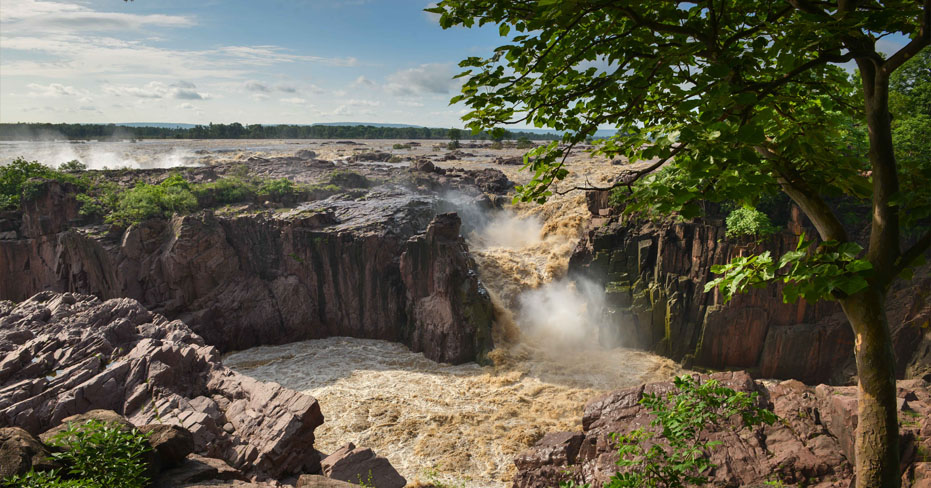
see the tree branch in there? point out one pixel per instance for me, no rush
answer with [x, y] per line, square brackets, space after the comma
[916, 44]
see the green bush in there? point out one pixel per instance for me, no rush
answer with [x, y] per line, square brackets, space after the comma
[94, 454]
[748, 222]
[146, 201]
[496, 145]
[679, 456]
[17, 179]
[278, 189]
[401, 146]
[72, 166]
[231, 189]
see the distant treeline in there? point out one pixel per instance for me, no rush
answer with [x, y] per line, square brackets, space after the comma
[30, 131]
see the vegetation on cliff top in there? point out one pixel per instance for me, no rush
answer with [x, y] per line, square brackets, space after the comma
[100, 198]
[733, 101]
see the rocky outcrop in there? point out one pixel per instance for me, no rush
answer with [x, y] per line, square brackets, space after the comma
[257, 276]
[446, 302]
[810, 444]
[63, 354]
[358, 466]
[654, 275]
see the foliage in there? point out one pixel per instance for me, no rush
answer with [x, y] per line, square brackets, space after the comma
[95, 455]
[734, 100]
[910, 103]
[277, 189]
[679, 456]
[401, 146]
[72, 166]
[230, 189]
[145, 201]
[748, 222]
[523, 143]
[831, 270]
[103, 453]
[20, 178]
[46, 479]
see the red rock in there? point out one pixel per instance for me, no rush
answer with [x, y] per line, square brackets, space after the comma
[116, 355]
[356, 465]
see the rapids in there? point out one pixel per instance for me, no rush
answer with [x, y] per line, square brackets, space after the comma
[463, 425]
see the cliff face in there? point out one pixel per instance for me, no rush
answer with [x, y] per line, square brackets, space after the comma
[654, 276]
[242, 279]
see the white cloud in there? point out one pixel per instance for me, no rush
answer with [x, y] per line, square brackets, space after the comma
[294, 100]
[50, 90]
[47, 16]
[425, 79]
[410, 103]
[187, 106]
[182, 90]
[362, 103]
[363, 81]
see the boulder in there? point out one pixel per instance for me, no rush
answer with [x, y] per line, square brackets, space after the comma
[171, 443]
[196, 469]
[85, 355]
[108, 417]
[20, 452]
[358, 466]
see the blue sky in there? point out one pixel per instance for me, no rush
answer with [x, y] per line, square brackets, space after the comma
[248, 61]
[270, 61]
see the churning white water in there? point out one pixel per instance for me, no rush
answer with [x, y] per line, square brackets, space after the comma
[463, 425]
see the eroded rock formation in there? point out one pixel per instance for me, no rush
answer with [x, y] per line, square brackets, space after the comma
[810, 445]
[65, 354]
[253, 276]
[654, 275]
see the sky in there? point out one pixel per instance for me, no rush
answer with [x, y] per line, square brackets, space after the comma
[248, 61]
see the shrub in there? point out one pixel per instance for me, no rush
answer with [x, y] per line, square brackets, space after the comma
[231, 189]
[15, 181]
[277, 189]
[94, 454]
[748, 222]
[679, 456]
[146, 201]
[523, 143]
[453, 145]
[72, 166]
[401, 146]
[496, 145]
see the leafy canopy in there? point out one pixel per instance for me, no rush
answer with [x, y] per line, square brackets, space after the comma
[730, 100]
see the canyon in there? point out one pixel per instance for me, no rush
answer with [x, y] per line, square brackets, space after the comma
[538, 311]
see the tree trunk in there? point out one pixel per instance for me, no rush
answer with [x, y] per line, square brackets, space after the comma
[877, 439]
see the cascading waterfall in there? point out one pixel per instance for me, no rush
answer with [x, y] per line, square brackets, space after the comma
[463, 425]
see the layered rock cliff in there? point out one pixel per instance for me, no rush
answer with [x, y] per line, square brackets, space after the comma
[654, 275]
[248, 276]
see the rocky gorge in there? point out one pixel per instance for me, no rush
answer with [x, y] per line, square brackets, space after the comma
[134, 320]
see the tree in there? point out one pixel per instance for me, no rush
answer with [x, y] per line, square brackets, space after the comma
[733, 100]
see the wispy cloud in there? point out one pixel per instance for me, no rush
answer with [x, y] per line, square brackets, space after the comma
[425, 79]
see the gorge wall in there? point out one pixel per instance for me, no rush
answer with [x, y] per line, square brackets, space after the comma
[654, 275]
[377, 266]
